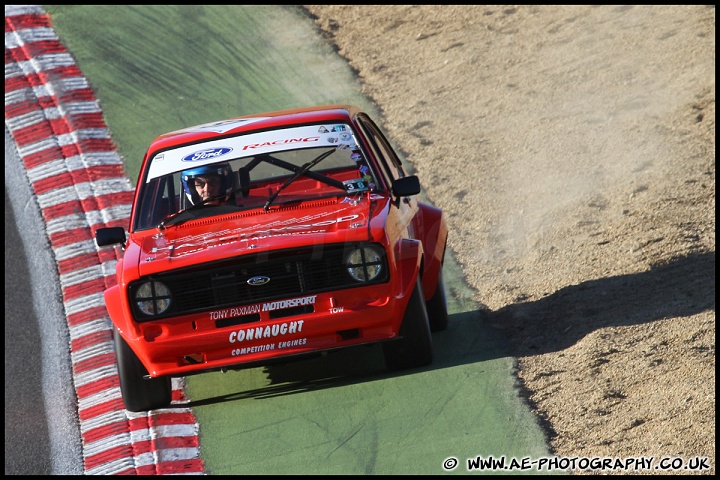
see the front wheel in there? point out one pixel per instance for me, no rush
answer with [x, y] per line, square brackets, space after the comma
[415, 348]
[139, 394]
[437, 306]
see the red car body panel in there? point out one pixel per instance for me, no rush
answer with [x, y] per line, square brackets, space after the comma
[413, 234]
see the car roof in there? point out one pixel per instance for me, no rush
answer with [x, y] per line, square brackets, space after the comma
[255, 122]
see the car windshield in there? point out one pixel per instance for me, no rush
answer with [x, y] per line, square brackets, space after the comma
[274, 168]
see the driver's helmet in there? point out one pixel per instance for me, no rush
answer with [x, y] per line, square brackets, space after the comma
[221, 170]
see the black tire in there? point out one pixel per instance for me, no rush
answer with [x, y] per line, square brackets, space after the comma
[139, 394]
[415, 348]
[437, 307]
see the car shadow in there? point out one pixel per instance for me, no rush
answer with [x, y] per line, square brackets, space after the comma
[680, 288]
[683, 287]
[331, 370]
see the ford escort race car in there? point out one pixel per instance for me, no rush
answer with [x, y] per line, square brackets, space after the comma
[313, 240]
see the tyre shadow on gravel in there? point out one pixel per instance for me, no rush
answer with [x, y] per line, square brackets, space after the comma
[681, 288]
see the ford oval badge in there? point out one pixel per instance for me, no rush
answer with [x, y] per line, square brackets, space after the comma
[207, 154]
[258, 281]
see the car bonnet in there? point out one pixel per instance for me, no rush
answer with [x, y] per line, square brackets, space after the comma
[331, 221]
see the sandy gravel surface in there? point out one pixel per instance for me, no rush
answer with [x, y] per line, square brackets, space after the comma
[573, 149]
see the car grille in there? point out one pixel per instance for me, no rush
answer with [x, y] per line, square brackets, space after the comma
[224, 284]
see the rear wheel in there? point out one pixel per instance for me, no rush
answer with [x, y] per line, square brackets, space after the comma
[139, 394]
[437, 306]
[415, 348]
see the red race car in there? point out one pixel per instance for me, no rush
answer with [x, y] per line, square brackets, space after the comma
[267, 237]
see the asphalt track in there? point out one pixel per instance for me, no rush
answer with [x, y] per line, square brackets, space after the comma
[41, 432]
[343, 414]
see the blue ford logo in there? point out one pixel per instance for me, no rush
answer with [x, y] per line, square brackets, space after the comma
[207, 154]
[258, 281]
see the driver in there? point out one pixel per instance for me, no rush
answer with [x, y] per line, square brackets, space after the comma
[208, 181]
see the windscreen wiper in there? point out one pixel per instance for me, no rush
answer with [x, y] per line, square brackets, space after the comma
[170, 220]
[297, 175]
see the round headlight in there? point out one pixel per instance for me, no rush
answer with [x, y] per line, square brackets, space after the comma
[152, 297]
[365, 263]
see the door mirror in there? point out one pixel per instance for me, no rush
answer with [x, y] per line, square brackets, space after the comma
[406, 186]
[109, 236]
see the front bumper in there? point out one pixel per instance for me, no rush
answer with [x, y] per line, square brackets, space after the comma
[209, 341]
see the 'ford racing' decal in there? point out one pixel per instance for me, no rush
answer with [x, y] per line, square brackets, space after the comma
[207, 154]
[174, 160]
